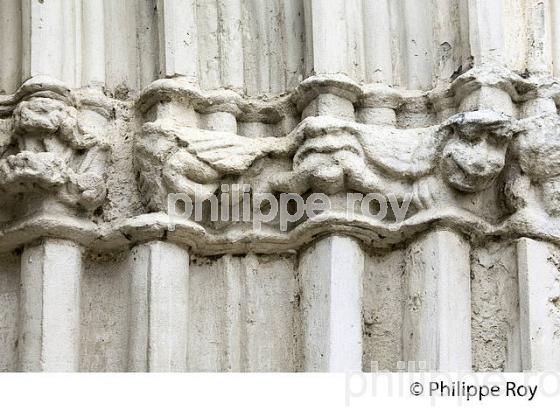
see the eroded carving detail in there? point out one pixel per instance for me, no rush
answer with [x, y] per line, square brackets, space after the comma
[55, 146]
[329, 136]
[533, 179]
[448, 168]
[467, 152]
[193, 161]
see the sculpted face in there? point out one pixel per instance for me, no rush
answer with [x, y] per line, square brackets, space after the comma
[475, 154]
[40, 115]
[472, 166]
[328, 158]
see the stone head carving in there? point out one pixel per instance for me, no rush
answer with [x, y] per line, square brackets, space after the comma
[474, 155]
[40, 115]
[56, 145]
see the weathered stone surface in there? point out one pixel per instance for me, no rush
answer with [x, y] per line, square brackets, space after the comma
[495, 307]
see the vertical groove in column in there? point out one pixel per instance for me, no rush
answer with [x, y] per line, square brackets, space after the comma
[447, 42]
[138, 310]
[178, 38]
[147, 42]
[159, 308]
[539, 290]
[354, 17]
[206, 315]
[437, 318]
[256, 53]
[167, 349]
[235, 337]
[50, 306]
[10, 45]
[208, 47]
[308, 60]
[273, 47]
[251, 331]
[293, 41]
[465, 46]
[331, 273]
[538, 34]
[515, 18]
[72, 56]
[120, 45]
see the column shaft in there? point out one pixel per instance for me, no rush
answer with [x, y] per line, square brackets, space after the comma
[331, 284]
[178, 38]
[158, 311]
[50, 306]
[437, 319]
[539, 307]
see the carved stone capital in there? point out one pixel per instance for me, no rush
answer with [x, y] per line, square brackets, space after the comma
[55, 147]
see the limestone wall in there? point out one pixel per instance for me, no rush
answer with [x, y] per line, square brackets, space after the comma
[443, 115]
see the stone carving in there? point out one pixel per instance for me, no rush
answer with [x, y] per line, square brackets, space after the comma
[532, 182]
[193, 161]
[53, 148]
[174, 154]
[56, 146]
[451, 105]
[464, 154]
[467, 152]
[455, 163]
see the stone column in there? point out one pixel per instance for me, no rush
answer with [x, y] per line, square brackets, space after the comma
[331, 273]
[555, 36]
[326, 31]
[50, 307]
[331, 269]
[437, 320]
[418, 32]
[178, 38]
[159, 309]
[51, 41]
[539, 304]
[230, 41]
[10, 45]
[486, 33]
[377, 38]
[93, 58]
